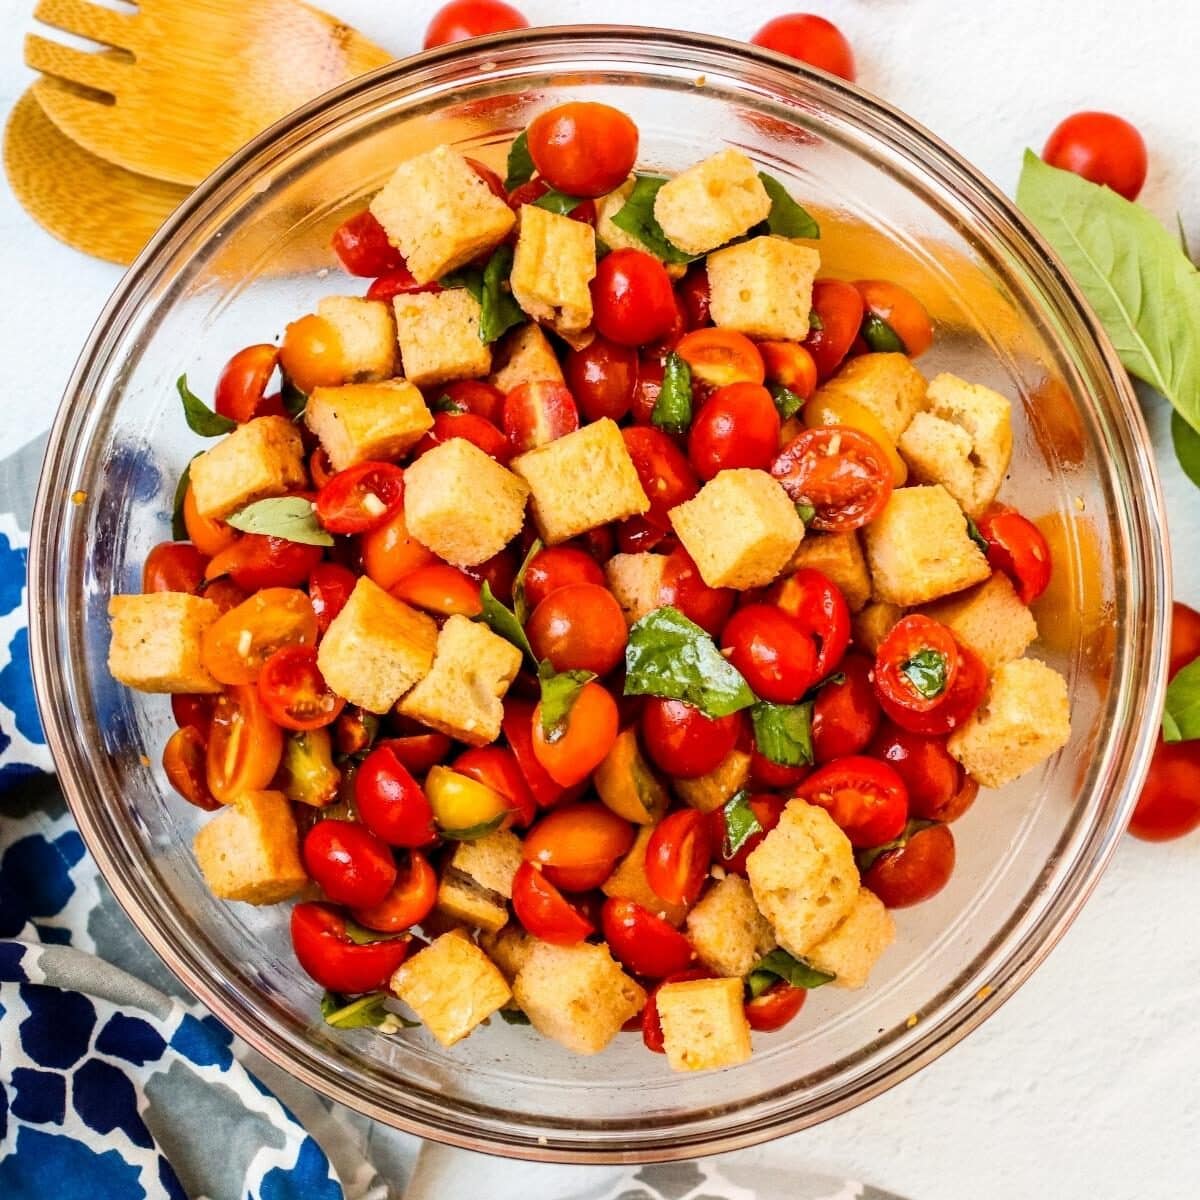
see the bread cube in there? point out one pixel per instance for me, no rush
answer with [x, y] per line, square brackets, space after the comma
[615, 238]
[873, 624]
[887, 385]
[963, 440]
[1024, 719]
[728, 932]
[462, 504]
[376, 648]
[854, 947]
[712, 202]
[258, 460]
[156, 640]
[524, 355]
[740, 528]
[250, 851]
[990, 619]
[763, 287]
[636, 582]
[439, 337]
[363, 422]
[476, 884]
[839, 556]
[581, 481]
[367, 335]
[704, 1024]
[472, 670]
[553, 264]
[629, 882]
[509, 948]
[723, 782]
[803, 877]
[440, 214]
[919, 549]
[576, 995]
[452, 986]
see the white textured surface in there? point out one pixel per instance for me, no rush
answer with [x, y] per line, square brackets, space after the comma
[1084, 1086]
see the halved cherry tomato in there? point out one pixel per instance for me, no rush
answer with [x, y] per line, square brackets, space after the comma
[772, 650]
[900, 311]
[1017, 547]
[683, 741]
[517, 726]
[1101, 147]
[831, 407]
[410, 901]
[194, 709]
[838, 309]
[646, 390]
[579, 627]
[737, 426]
[419, 751]
[235, 646]
[866, 798]
[719, 357]
[362, 246]
[555, 567]
[544, 911]
[767, 808]
[916, 871]
[845, 713]
[497, 767]
[361, 498]
[350, 864]
[185, 767]
[678, 856]
[537, 413]
[591, 729]
[320, 469]
[207, 534]
[684, 589]
[1169, 805]
[818, 604]
[474, 429]
[390, 552]
[665, 474]
[442, 589]
[938, 788]
[311, 354]
[294, 691]
[840, 472]
[695, 300]
[583, 148]
[633, 300]
[775, 1007]
[790, 365]
[243, 382]
[535, 189]
[391, 803]
[329, 587]
[399, 281]
[324, 949]
[812, 40]
[244, 744]
[258, 561]
[577, 845]
[643, 941]
[473, 396]
[652, 1032]
[173, 567]
[602, 377]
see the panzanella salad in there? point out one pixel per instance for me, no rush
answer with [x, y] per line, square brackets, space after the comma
[604, 621]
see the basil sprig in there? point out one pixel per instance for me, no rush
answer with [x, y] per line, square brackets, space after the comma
[672, 410]
[200, 418]
[741, 823]
[926, 673]
[783, 732]
[560, 690]
[367, 1012]
[519, 168]
[787, 218]
[1181, 716]
[779, 964]
[292, 518]
[636, 218]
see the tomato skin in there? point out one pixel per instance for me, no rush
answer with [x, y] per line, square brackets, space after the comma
[398, 281]
[329, 587]
[195, 710]
[1185, 637]
[900, 310]
[602, 377]
[185, 767]
[643, 941]
[767, 774]
[351, 864]
[633, 299]
[474, 396]
[390, 802]
[839, 308]
[1169, 806]
[517, 726]
[583, 148]
[311, 354]
[537, 413]
[684, 589]
[684, 742]
[543, 911]
[244, 744]
[577, 845]
[914, 872]
[360, 498]
[417, 752]
[408, 903]
[326, 953]
[389, 552]
[558, 566]
[773, 652]
[938, 788]
[1017, 547]
[579, 627]
[589, 735]
[294, 691]
[442, 589]
[774, 1008]
[207, 534]
[767, 807]
[499, 572]
[841, 472]
[664, 472]
[738, 426]
[866, 799]
[173, 567]
[257, 561]
[845, 715]
[791, 365]
[818, 604]
[363, 248]
[695, 299]
[497, 767]
[474, 429]
[720, 357]
[243, 381]
[678, 856]
[1101, 147]
[273, 618]
[812, 40]
[463, 19]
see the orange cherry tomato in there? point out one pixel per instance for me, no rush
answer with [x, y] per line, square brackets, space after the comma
[583, 148]
[721, 356]
[294, 691]
[811, 39]
[843, 474]
[791, 365]
[173, 567]
[544, 911]
[184, 764]
[678, 856]
[410, 901]
[900, 311]
[244, 744]
[311, 355]
[208, 535]
[390, 552]
[591, 729]
[442, 589]
[775, 1007]
[916, 871]
[235, 646]
[258, 560]
[361, 497]
[579, 627]
[838, 311]
[243, 381]
[577, 845]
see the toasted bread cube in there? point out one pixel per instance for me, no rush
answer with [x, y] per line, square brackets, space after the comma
[803, 877]
[740, 528]
[615, 238]
[376, 648]
[367, 335]
[990, 619]
[874, 623]
[553, 264]
[963, 441]
[250, 850]
[704, 1024]
[509, 948]
[363, 422]
[629, 882]
[476, 884]
[576, 995]
[472, 670]
[258, 460]
[854, 947]
[440, 214]
[763, 287]
[728, 932]
[581, 481]
[156, 639]
[919, 549]
[839, 556]
[710, 791]
[712, 202]
[439, 337]
[636, 582]
[524, 355]
[1024, 719]
[887, 385]
[452, 986]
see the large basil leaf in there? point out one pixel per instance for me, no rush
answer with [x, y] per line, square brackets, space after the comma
[499, 312]
[290, 517]
[783, 732]
[636, 218]
[503, 621]
[1181, 716]
[741, 823]
[367, 1012]
[520, 163]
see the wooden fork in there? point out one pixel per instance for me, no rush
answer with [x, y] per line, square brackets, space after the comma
[184, 83]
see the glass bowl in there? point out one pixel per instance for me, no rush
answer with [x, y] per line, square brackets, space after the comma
[249, 251]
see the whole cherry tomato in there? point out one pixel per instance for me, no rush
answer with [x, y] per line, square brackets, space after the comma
[843, 474]
[398, 282]
[244, 745]
[720, 357]
[537, 413]
[473, 396]
[497, 767]
[838, 309]
[1017, 547]
[312, 354]
[207, 534]
[772, 650]
[1185, 637]
[1169, 806]
[243, 382]
[583, 148]
[1101, 147]
[684, 589]
[410, 900]
[294, 691]
[390, 552]
[633, 300]
[774, 1008]
[184, 764]
[643, 941]
[463, 19]
[683, 741]
[652, 1032]
[475, 429]
[517, 726]
[351, 865]
[678, 856]
[544, 911]
[577, 845]
[767, 808]
[416, 753]
[845, 714]
[556, 567]
[916, 871]
[900, 311]
[591, 729]
[363, 248]
[938, 788]
[866, 799]
[173, 567]
[361, 497]
[695, 300]
[738, 426]
[812, 40]
[329, 587]
[441, 589]
[818, 604]
[579, 627]
[237, 644]
[390, 802]
[602, 377]
[664, 472]
[324, 949]
[256, 561]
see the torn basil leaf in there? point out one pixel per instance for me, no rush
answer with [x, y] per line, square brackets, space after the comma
[558, 202]
[503, 621]
[741, 823]
[200, 418]
[292, 518]
[1181, 714]
[926, 673]
[880, 336]
[787, 403]
[560, 690]
[444, 404]
[783, 732]
[1186, 441]
[672, 411]
[519, 168]
[513, 1016]
[787, 218]
[367, 1012]
[779, 964]
[636, 218]
[805, 512]
[499, 312]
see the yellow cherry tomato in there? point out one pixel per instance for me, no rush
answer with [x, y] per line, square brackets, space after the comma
[459, 802]
[832, 409]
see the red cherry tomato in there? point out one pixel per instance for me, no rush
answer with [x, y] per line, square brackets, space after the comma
[602, 378]
[840, 471]
[845, 715]
[938, 788]
[544, 911]
[695, 301]
[812, 40]
[398, 282]
[577, 845]
[767, 808]
[497, 767]
[185, 766]
[324, 949]
[463, 19]
[173, 567]
[684, 742]
[537, 413]
[1185, 637]
[517, 726]
[663, 470]
[360, 498]
[473, 396]
[789, 364]
[767, 774]
[294, 691]
[390, 802]
[390, 552]
[491, 178]
[1017, 547]
[194, 710]
[683, 588]
[900, 311]
[738, 426]
[773, 652]
[583, 148]
[243, 382]
[838, 308]
[499, 572]
[244, 745]
[329, 587]
[916, 871]
[1101, 147]
[652, 1033]
[643, 941]
[1169, 806]
[474, 429]
[417, 753]
[256, 561]
[818, 604]
[556, 567]
[721, 357]
[410, 901]
[866, 799]
[351, 865]
[441, 589]
[579, 627]
[774, 1008]
[591, 729]
[678, 856]
[646, 390]
[363, 248]
[632, 297]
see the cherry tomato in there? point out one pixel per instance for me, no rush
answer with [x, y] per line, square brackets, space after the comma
[556, 567]
[350, 864]
[294, 691]
[678, 856]
[684, 742]
[224, 593]
[467, 425]
[866, 798]
[410, 901]
[695, 301]
[491, 178]
[652, 1033]
[320, 469]
[442, 589]
[236, 645]
[463, 19]
[811, 39]
[324, 949]
[361, 497]
[243, 382]
[833, 407]
[329, 587]
[916, 871]
[390, 552]
[398, 282]
[774, 1008]
[646, 390]
[938, 788]
[818, 604]
[517, 726]
[544, 911]
[602, 377]
[579, 627]
[838, 308]
[537, 413]
[767, 808]
[738, 426]
[473, 396]
[363, 248]
[683, 588]
[499, 572]
[207, 534]
[354, 731]
[1101, 147]
[1169, 806]
[767, 774]
[664, 472]
[312, 355]
[185, 767]
[173, 567]
[900, 311]
[841, 472]
[1185, 637]
[846, 714]
[632, 297]
[720, 357]
[244, 744]
[390, 802]
[257, 561]
[773, 652]
[1017, 547]
[583, 148]
[790, 365]
[195, 710]
[497, 767]
[577, 845]
[591, 729]
[643, 941]
[418, 752]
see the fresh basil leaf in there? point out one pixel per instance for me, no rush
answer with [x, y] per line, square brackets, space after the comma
[519, 168]
[672, 411]
[880, 336]
[865, 858]
[783, 732]
[179, 529]
[200, 418]
[560, 690]
[360, 935]
[814, 320]
[779, 964]
[787, 403]
[558, 202]
[787, 218]
[513, 1016]
[499, 312]
[1187, 447]
[806, 512]
[1141, 284]
[473, 833]
[294, 400]
[636, 218]
[926, 672]
[667, 655]
[289, 517]
[503, 621]
[470, 278]
[444, 404]
[367, 1012]
[1181, 716]
[741, 824]
[520, 604]
[977, 537]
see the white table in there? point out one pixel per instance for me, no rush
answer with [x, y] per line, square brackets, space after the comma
[1084, 1086]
